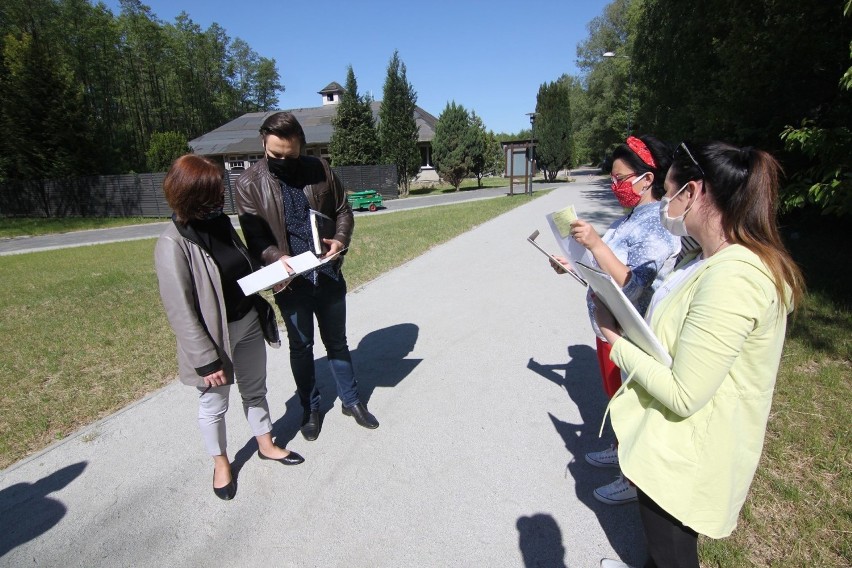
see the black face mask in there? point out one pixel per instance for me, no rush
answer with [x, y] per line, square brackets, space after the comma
[285, 169]
[207, 211]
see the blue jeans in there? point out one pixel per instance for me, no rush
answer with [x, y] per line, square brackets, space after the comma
[299, 303]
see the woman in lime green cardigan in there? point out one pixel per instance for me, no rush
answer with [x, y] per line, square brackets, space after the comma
[691, 435]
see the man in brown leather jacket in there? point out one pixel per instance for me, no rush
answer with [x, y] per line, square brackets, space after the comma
[275, 198]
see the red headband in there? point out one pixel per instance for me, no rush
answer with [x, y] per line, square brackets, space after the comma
[641, 150]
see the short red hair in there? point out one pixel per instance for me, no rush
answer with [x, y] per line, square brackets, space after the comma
[192, 182]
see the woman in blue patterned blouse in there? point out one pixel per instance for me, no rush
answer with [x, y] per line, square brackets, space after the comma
[638, 253]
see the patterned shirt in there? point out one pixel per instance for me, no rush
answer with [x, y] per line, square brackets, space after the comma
[297, 218]
[646, 248]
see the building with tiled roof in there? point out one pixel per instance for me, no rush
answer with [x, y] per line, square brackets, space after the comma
[237, 144]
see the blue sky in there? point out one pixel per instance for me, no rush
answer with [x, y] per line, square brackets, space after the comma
[488, 55]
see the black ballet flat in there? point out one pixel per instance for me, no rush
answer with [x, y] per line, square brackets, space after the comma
[290, 459]
[226, 493]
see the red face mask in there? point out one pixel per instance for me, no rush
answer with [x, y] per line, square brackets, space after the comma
[623, 191]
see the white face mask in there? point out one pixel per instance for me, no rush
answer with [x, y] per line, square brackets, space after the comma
[674, 225]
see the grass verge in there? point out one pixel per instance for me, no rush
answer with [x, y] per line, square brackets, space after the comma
[85, 333]
[799, 509]
[487, 183]
[467, 184]
[34, 226]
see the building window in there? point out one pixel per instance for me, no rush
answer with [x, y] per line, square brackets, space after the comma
[329, 97]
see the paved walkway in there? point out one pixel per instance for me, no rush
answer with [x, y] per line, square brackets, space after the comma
[478, 361]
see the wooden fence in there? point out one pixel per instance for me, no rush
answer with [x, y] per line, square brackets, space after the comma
[141, 195]
[381, 178]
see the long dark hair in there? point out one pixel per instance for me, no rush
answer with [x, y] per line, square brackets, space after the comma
[661, 154]
[743, 183]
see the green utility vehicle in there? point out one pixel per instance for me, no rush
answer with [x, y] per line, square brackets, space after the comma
[367, 199]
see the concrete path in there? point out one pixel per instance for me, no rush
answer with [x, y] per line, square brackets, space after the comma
[478, 361]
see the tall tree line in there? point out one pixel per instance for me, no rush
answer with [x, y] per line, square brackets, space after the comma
[462, 147]
[359, 139]
[765, 73]
[82, 90]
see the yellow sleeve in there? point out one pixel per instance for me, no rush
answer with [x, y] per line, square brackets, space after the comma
[725, 309]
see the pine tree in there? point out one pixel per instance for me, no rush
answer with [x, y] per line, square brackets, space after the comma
[553, 146]
[478, 148]
[495, 158]
[398, 130]
[354, 140]
[451, 147]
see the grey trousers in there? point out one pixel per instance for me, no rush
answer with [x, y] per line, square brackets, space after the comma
[249, 353]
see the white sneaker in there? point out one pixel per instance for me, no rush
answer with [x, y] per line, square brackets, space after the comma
[607, 563]
[605, 458]
[618, 492]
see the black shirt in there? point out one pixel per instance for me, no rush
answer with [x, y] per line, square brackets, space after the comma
[217, 237]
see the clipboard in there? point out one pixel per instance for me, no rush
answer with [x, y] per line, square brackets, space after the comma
[634, 326]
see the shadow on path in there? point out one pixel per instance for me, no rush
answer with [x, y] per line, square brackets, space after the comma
[540, 541]
[379, 361]
[26, 511]
[601, 192]
[581, 379]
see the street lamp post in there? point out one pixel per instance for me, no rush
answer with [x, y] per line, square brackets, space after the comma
[532, 116]
[629, 88]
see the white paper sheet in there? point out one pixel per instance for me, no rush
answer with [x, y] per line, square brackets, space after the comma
[559, 222]
[275, 273]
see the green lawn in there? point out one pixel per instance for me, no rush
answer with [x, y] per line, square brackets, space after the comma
[468, 184]
[34, 226]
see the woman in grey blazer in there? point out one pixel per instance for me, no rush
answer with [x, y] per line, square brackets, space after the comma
[220, 332]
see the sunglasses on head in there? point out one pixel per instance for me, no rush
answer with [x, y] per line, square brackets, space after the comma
[683, 149]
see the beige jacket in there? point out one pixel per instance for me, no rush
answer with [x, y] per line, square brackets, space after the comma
[191, 291]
